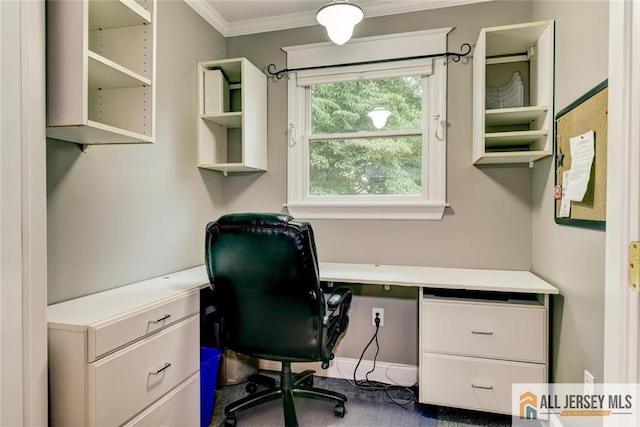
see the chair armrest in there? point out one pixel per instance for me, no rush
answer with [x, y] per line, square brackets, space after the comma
[335, 321]
[337, 297]
[340, 301]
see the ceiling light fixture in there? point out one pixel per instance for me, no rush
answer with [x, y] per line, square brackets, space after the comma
[379, 116]
[339, 17]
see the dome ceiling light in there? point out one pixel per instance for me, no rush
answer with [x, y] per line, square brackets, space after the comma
[339, 18]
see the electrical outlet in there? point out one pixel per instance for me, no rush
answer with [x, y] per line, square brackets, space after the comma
[380, 313]
[589, 380]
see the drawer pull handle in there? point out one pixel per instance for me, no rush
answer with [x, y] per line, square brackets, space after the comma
[484, 387]
[165, 317]
[482, 332]
[166, 365]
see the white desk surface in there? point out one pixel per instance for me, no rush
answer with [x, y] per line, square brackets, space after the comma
[436, 277]
[93, 308]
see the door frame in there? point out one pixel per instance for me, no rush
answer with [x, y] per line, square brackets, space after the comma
[23, 220]
[623, 193]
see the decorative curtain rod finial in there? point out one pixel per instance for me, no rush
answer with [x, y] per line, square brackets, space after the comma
[271, 69]
[466, 50]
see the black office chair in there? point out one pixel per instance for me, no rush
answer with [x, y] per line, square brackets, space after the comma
[263, 269]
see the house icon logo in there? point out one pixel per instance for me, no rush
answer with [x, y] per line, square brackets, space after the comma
[528, 406]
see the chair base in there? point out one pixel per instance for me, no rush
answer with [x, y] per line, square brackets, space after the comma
[299, 385]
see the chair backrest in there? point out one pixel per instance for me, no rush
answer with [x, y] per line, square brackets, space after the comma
[264, 272]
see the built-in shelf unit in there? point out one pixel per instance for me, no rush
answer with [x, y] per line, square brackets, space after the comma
[516, 133]
[232, 116]
[101, 71]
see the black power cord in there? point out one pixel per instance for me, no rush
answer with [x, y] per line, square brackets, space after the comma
[370, 385]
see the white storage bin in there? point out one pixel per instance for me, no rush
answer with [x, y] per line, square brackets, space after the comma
[216, 92]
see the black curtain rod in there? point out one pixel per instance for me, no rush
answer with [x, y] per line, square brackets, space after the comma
[465, 48]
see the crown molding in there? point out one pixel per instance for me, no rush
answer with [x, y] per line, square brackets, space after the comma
[210, 15]
[306, 19]
[272, 23]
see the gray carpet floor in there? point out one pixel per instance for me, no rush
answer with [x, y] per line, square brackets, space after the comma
[363, 408]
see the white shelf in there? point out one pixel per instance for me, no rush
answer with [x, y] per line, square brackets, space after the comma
[106, 74]
[518, 138]
[522, 134]
[229, 120]
[229, 167]
[514, 116]
[117, 13]
[514, 39]
[233, 141]
[101, 71]
[516, 157]
[97, 133]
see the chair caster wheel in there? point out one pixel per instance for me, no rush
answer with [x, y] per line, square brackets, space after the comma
[339, 410]
[308, 382]
[251, 388]
[230, 421]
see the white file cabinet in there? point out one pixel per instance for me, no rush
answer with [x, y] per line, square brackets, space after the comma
[128, 356]
[473, 348]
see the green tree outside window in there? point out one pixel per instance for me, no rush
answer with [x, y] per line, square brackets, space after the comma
[385, 165]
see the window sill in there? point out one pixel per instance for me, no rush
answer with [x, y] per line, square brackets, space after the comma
[429, 212]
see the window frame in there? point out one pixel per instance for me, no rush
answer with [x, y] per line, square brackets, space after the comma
[432, 203]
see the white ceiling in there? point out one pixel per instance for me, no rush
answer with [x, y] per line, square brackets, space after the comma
[240, 17]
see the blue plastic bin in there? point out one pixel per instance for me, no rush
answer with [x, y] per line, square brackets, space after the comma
[209, 366]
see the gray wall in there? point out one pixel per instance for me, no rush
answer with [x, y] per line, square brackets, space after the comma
[487, 226]
[121, 214]
[572, 258]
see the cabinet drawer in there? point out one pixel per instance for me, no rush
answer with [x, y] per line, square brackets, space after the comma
[181, 407]
[116, 332]
[123, 383]
[479, 384]
[495, 330]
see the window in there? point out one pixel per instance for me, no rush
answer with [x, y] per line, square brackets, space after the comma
[343, 165]
[349, 155]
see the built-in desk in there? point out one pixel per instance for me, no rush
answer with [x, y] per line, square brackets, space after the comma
[480, 331]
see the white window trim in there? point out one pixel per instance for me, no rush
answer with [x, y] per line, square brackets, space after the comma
[365, 49]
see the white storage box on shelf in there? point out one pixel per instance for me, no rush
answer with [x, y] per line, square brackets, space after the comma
[216, 92]
[506, 129]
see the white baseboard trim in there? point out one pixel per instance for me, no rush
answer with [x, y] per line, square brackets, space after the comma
[343, 367]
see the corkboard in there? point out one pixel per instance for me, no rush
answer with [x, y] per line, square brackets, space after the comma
[587, 113]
